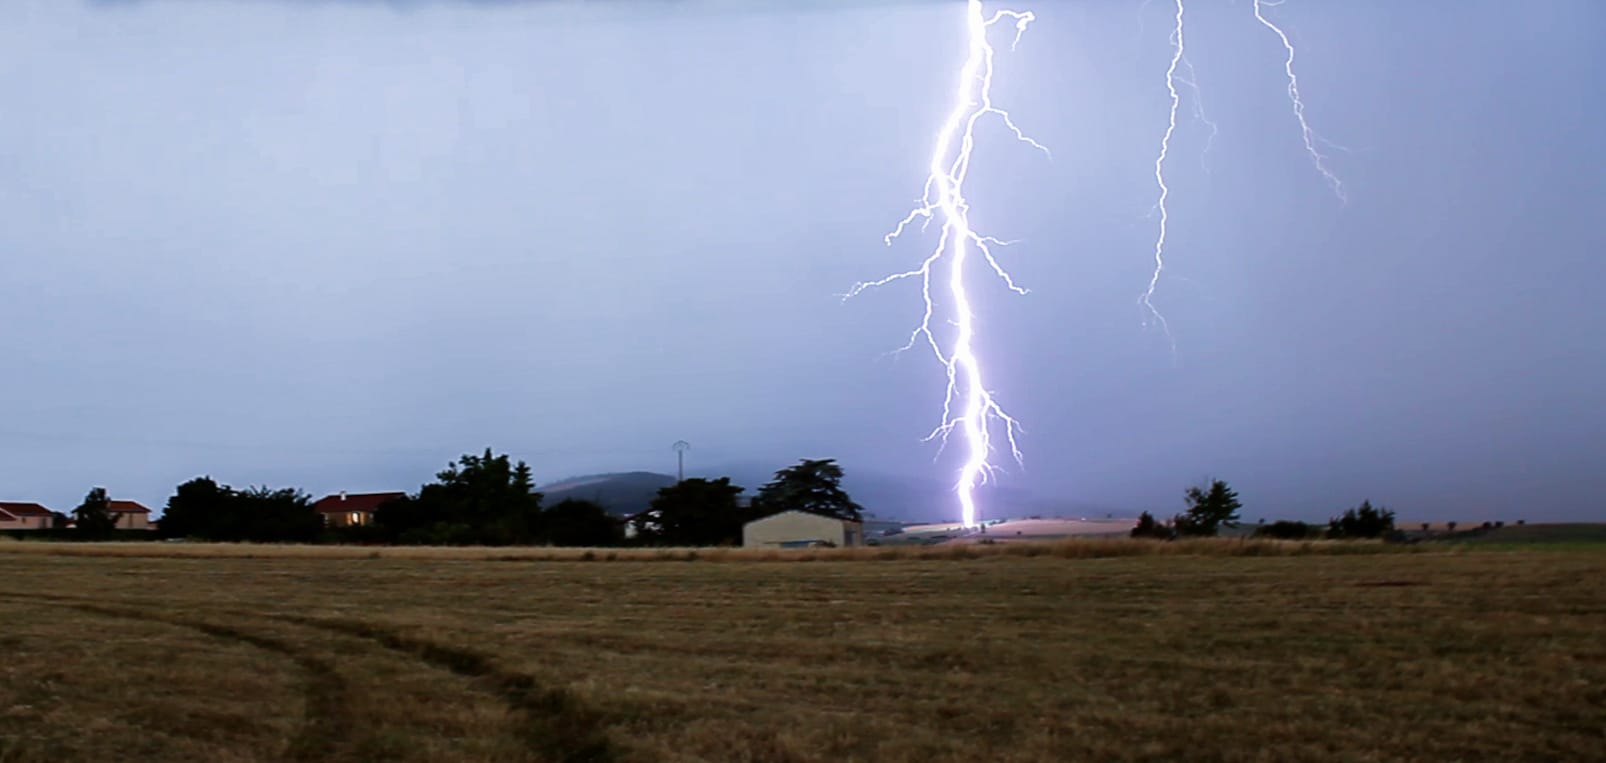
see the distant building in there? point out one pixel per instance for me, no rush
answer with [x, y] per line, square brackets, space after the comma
[352, 509]
[25, 516]
[129, 515]
[800, 529]
[638, 522]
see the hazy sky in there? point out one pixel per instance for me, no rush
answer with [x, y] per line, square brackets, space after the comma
[335, 244]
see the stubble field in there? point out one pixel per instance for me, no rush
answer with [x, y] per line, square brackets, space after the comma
[1423, 656]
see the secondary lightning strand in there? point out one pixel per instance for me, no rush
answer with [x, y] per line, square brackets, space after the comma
[1309, 135]
[968, 406]
[1192, 81]
[1178, 50]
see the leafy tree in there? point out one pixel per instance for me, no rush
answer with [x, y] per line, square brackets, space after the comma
[1148, 527]
[580, 523]
[1363, 521]
[813, 485]
[695, 512]
[1208, 509]
[266, 515]
[93, 516]
[199, 508]
[403, 516]
[479, 499]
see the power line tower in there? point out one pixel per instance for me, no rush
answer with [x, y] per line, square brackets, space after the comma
[680, 446]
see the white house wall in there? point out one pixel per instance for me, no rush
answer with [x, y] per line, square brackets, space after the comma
[798, 526]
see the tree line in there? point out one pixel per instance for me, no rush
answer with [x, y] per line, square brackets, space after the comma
[1214, 506]
[489, 499]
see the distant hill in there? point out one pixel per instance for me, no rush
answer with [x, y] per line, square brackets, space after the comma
[621, 493]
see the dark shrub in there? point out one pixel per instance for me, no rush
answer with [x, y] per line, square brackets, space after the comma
[1148, 527]
[1363, 521]
[1285, 530]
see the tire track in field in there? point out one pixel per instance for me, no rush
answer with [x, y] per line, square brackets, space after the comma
[558, 726]
[325, 719]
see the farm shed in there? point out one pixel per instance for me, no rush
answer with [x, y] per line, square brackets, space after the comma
[801, 529]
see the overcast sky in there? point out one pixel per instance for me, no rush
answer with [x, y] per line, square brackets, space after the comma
[335, 244]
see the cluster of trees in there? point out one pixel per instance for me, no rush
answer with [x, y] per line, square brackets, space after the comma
[1363, 521]
[1214, 506]
[1210, 508]
[489, 499]
[202, 508]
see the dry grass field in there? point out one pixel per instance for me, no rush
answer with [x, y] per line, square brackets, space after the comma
[1065, 548]
[1277, 655]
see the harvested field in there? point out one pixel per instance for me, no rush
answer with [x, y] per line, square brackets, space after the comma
[1068, 548]
[1001, 656]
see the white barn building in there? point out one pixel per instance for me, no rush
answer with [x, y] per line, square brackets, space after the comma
[800, 529]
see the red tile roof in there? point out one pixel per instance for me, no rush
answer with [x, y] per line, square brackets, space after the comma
[24, 509]
[126, 507]
[341, 502]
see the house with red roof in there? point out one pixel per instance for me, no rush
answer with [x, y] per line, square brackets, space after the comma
[25, 516]
[352, 509]
[129, 515]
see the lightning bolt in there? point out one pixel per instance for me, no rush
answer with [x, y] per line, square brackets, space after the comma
[1178, 50]
[968, 406]
[1309, 135]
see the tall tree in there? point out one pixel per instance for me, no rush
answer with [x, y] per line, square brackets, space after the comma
[94, 516]
[813, 485]
[1208, 509]
[695, 512]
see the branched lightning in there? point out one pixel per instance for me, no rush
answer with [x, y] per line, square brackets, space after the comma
[1199, 115]
[968, 407]
[1309, 135]
[1179, 59]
